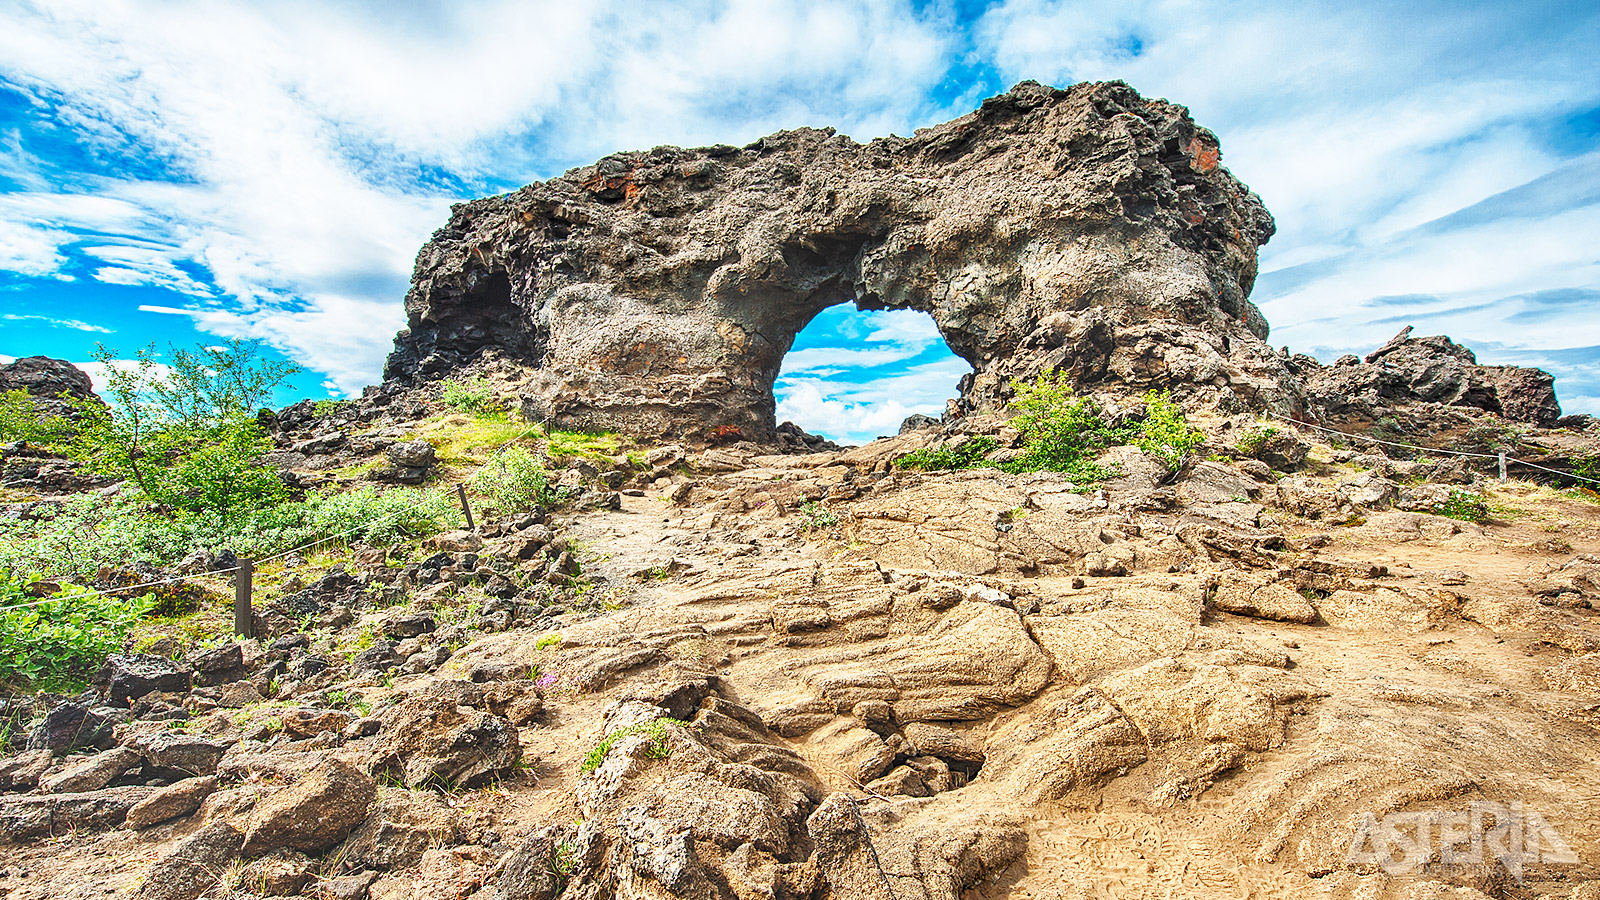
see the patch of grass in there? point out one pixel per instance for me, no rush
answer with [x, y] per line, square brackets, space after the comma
[655, 728]
[553, 639]
[1464, 506]
[467, 442]
[596, 445]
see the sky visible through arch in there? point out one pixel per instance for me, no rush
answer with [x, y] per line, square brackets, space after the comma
[184, 170]
[855, 375]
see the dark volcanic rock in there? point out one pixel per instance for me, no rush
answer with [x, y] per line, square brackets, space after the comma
[1088, 229]
[193, 867]
[69, 726]
[127, 678]
[47, 381]
[1423, 370]
[314, 813]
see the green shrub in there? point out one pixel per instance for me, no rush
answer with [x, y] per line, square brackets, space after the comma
[471, 395]
[1061, 432]
[1064, 433]
[64, 640]
[515, 480]
[381, 518]
[817, 516]
[1256, 439]
[967, 455]
[1165, 433]
[20, 420]
[184, 431]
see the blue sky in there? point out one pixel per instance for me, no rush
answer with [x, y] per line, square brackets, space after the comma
[183, 170]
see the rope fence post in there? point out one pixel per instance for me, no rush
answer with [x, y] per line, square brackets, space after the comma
[1502, 465]
[243, 615]
[461, 492]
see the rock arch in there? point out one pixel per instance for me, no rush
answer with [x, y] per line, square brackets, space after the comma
[1088, 230]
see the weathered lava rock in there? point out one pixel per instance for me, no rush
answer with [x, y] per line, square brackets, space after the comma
[1434, 369]
[48, 381]
[127, 678]
[1088, 229]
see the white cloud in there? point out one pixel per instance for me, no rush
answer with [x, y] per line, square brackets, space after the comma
[97, 371]
[31, 250]
[282, 164]
[861, 409]
[74, 324]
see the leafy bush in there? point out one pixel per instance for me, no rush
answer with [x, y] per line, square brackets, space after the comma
[184, 433]
[817, 516]
[20, 420]
[968, 455]
[1165, 433]
[1255, 440]
[381, 518]
[471, 395]
[63, 640]
[91, 531]
[514, 480]
[1064, 433]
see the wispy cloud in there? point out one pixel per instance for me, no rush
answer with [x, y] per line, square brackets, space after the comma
[56, 323]
[276, 168]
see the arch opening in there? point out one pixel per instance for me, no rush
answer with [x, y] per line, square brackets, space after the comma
[854, 375]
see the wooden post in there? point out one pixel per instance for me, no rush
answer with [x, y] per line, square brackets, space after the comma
[243, 615]
[1502, 465]
[461, 491]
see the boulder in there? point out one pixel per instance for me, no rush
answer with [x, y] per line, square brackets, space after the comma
[180, 751]
[23, 771]
[52, 383]
[125, 679]
[402, 826]
[311, 815]
[70, 726]
[38, 816]
[219, 666]
[305, 723]
[192, 868]
[178, 799]
[93, 774]
[435, 738]
[1247, 594]
[283, 873]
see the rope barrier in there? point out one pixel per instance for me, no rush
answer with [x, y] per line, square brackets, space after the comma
[1364, 437]
[306, 546]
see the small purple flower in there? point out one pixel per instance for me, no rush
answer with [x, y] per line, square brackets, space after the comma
[547, 679]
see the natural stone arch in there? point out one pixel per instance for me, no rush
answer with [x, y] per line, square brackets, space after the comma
[1088, 230]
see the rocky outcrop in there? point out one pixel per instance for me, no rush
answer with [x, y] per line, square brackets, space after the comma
[52, 383]
[1412, 372]
[1090, 230]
